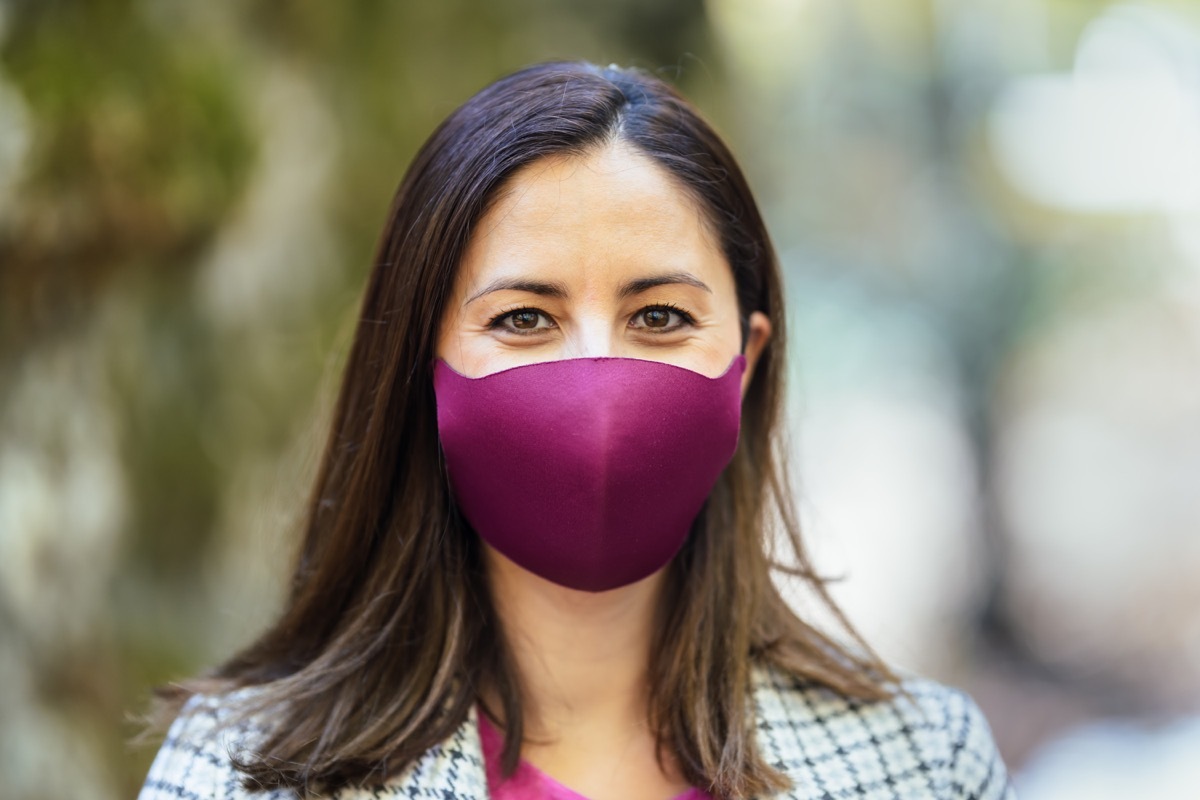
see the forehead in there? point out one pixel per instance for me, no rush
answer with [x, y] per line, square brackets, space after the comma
[611, 209]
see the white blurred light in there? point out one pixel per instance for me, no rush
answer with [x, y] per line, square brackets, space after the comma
[1112, 761]
[890, 480]
[1121, 133]
[1096, 469]
[887, 481]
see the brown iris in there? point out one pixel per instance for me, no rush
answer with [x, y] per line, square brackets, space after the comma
[520, 319]
[657, 317]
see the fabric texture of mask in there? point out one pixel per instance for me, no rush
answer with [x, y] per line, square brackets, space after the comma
[587, 471]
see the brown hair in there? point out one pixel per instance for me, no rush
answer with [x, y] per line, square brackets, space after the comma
[388, 629]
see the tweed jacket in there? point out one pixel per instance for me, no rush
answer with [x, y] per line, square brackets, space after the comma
[936, 745]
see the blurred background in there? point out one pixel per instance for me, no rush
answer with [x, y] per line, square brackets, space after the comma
[988, 212]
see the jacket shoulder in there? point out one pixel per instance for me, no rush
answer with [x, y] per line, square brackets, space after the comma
[928, 740]
[195, 759]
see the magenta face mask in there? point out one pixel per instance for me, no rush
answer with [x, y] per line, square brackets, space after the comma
[587, 471]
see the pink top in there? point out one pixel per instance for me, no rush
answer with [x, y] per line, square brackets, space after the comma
[529, 782]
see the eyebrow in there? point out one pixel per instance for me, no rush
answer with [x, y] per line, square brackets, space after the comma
[557, 289]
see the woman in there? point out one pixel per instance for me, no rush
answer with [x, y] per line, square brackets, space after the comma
[538, 554]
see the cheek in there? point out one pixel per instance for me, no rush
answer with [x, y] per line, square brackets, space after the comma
[466, 346]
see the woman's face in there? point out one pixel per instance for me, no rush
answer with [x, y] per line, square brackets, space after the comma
[600, 255]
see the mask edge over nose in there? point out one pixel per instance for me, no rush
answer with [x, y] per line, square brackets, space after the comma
[738, 360]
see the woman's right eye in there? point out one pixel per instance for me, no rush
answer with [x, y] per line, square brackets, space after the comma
[524, 321]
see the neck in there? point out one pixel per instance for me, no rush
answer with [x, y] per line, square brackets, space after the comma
[583, 657]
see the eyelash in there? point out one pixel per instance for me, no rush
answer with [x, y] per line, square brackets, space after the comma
[495, 321]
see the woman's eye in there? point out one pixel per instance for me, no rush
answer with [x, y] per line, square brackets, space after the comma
[522, 320]
[655, 319]
[658, 318]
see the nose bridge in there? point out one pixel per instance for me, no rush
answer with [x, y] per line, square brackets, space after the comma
[593, 333]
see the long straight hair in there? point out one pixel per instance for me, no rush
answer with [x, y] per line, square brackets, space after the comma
[388, 630]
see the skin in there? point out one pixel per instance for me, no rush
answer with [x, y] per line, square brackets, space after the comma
[587, 225]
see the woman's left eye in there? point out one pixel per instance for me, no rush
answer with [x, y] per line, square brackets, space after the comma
[658, 318]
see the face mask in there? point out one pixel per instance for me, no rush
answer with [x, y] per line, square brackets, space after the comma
[587, 471]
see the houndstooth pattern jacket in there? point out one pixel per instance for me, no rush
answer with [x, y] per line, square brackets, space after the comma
[936, 745]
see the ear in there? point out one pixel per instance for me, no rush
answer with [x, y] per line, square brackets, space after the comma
[759, 331]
